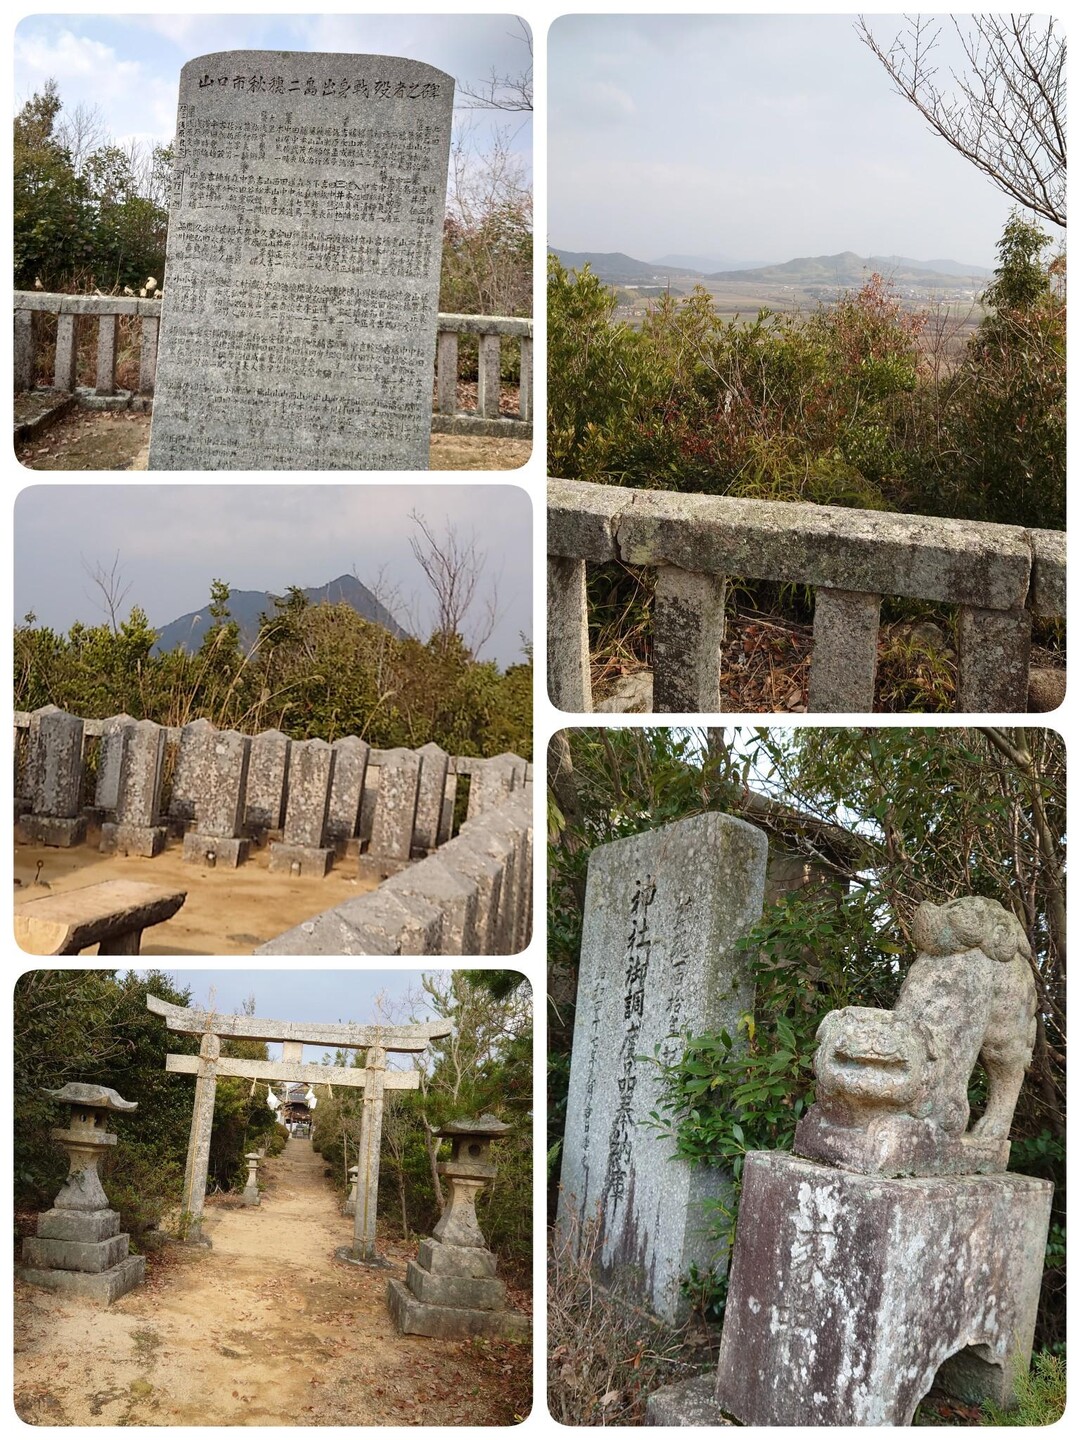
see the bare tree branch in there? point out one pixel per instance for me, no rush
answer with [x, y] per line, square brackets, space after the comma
[110, 587]
[454, 567]
[503, 92]
[1006, 113]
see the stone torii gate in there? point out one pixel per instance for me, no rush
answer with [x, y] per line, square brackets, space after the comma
[374, 1079]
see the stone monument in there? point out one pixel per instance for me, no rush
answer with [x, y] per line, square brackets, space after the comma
[451, 1290]
[663, 912]
[302, 275]
[891, 1251]
[78, 1249]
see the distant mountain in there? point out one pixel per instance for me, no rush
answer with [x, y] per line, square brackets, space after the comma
[245, 607]
[702, 264]
[847, 269]
[619, 269]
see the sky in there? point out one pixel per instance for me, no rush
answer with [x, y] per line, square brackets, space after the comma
[173, 540]
[129, 65]
[334, 996]
[751, 139]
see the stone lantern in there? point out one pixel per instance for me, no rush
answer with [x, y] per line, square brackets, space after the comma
[451, 1289]
[467, 1172]
[79, 1249]
[251, 1195]
[349, 1208]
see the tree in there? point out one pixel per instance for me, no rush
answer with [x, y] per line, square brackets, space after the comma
[454, 567]
[1007, 112]
[53, 213]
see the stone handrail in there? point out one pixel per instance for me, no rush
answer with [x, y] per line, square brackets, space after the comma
[491, 329]
[998, 575]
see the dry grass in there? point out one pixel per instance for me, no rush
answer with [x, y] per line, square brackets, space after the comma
[605, 1355]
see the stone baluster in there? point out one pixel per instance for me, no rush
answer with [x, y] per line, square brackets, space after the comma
[994, 648]
[843, 667]
[525, 383]
[25, 350]
[105, 380]
[487, 402]
[66, 337]
[446, 371]
[148, 353]
[569, 679]
[688, 631]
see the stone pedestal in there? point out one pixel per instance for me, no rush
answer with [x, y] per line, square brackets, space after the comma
[299, 859]
[79, 1248]
[451, 1291]
[213, 850]
[851, 1295]
[53, 830]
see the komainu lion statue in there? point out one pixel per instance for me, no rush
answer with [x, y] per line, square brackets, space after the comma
[892, 1085]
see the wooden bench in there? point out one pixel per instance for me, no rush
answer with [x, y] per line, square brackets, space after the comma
[111, 915]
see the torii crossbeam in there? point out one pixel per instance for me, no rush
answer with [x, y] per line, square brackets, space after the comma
[374, 1079]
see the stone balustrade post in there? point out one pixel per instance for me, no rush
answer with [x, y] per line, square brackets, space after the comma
[66, 343]
[569, 680]
[525, 382]
[843, 667]
[25, 351]
[105, 380]
[148, 348]
[446, 371]
[993, 652]
[488, 360]
[688, 631]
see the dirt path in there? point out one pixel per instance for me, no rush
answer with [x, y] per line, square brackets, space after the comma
[119, 440]
[227, 912]
[265, 1328]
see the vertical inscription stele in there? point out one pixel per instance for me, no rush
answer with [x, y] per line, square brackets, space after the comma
[302, 275]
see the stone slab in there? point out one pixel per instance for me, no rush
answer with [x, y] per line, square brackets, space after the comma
[848, 1293]
[329, 933]
[305, 240]
[663, 912]
[90, 1256]
[48, 830]
[146, 840]
[308, 859]
[897, 1146]
[467, 1261]
[96, 914]
[215, 850]
[868, 551]
[444, 1322]
[465, 1292]
[453, 894]
[102, 1288]
[690, 1402]
[87, 1225]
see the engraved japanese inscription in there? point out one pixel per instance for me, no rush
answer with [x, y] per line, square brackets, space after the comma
[302, 276]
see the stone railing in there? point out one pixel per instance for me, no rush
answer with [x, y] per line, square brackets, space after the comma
[492, 330]
[999, 577]
[313, 804]
[473, 897]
